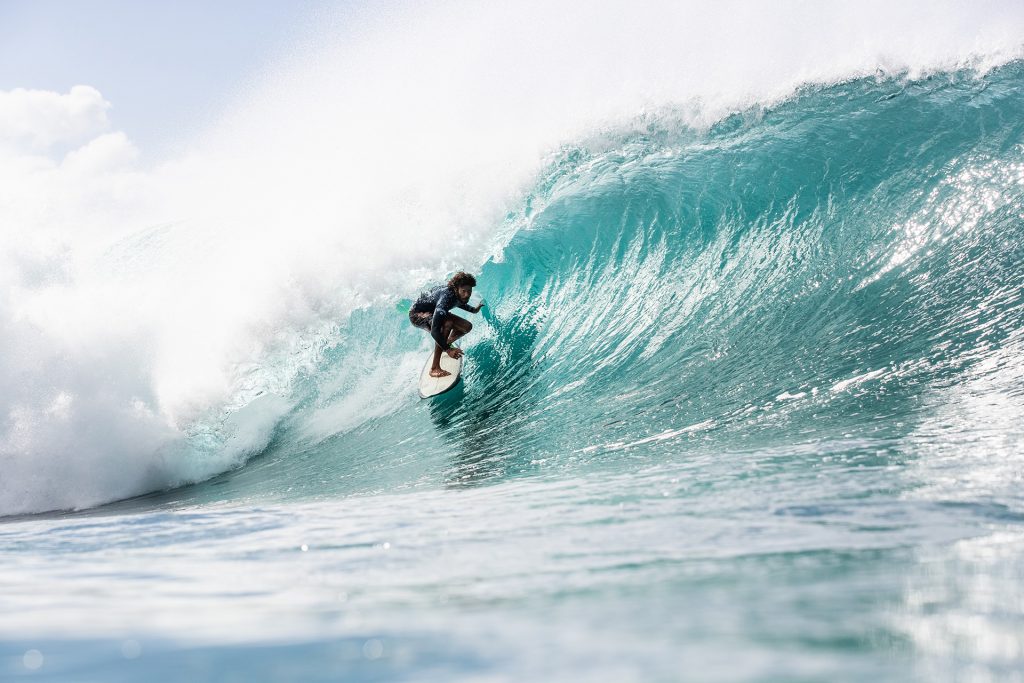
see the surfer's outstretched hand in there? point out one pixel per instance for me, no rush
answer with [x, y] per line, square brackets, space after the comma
[455, 352]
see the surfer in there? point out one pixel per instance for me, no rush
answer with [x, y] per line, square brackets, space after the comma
[431, 313]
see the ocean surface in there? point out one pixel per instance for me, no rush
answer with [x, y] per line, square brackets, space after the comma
[745, 403]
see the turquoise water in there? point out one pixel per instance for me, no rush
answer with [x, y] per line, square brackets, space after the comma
[745, 404]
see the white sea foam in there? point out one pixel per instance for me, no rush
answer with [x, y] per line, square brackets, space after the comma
[143, 307]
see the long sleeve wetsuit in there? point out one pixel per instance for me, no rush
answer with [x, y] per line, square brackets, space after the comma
[439, 300]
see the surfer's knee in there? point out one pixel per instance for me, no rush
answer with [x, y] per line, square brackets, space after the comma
[460, 324]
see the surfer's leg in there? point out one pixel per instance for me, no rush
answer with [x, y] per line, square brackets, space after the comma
[460, 327]
[435, 367]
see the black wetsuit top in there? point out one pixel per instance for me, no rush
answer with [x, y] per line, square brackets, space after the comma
[438, 300]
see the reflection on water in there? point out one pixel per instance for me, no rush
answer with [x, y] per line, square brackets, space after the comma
[483, 420]
[963, 603]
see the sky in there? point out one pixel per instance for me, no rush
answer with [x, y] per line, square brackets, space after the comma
[165, 67]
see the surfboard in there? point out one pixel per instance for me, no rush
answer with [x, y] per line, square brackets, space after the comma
[434, 386]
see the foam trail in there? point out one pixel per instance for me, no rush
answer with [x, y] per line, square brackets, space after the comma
[154, 319]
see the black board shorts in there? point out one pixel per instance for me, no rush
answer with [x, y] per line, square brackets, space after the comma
[421, 319]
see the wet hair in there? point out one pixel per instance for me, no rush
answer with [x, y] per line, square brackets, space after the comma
[462, 279]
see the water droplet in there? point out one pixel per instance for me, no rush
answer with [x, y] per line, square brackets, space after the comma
[373, 649]
[32, 660]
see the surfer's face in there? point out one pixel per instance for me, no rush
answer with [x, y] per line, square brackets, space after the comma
[464, 293]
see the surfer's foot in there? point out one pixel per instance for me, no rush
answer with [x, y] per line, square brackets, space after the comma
[438, 372]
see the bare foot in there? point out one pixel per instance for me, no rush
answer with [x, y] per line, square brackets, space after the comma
[439, 373]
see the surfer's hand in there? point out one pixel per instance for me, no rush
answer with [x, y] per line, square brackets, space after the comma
[479, 306]
[455, 352]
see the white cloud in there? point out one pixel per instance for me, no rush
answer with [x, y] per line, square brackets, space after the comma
[35, 121]
[108, 152]
[63, 170]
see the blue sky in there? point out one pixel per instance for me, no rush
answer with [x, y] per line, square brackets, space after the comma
[166, 67]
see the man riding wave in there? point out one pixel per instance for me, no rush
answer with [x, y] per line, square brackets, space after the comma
[431, 312]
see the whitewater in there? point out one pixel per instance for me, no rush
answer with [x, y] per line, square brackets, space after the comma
[745, 403]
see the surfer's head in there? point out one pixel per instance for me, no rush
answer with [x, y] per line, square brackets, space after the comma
[462, 284]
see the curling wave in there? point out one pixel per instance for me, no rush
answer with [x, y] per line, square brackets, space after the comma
[804, 277]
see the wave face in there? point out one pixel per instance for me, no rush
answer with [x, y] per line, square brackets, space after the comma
[839, 274]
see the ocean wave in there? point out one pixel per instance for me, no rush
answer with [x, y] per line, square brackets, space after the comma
[698, 257]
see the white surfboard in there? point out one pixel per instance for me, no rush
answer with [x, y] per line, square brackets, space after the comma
[433, 386]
